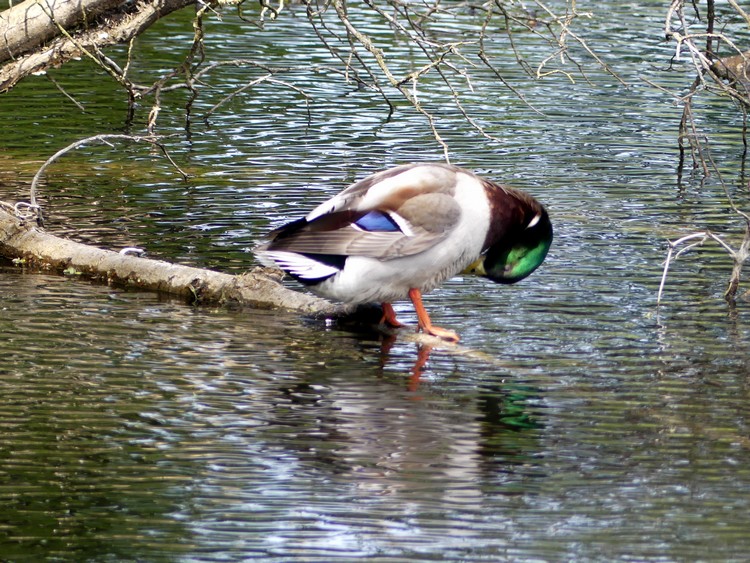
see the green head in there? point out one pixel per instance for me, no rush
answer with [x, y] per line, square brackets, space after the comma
[518, 253]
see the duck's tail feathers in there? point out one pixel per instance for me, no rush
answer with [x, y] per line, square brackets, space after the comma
[305, 268]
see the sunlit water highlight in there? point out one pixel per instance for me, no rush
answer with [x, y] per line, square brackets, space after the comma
[587, 425]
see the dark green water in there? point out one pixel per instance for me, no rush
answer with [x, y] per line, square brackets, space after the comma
[586, 425]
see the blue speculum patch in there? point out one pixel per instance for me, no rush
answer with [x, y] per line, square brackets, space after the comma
[377, 221]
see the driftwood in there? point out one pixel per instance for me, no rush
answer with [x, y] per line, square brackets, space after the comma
[260, 288]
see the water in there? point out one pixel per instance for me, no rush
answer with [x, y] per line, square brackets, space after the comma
[582, 423]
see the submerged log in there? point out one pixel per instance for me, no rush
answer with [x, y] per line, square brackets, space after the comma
[259, 288]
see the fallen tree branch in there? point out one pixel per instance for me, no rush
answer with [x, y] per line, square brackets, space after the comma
[30, 24]
[260, 288]
[23, 240]
[120, 28]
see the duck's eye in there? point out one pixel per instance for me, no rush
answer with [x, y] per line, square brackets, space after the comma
[376, 221]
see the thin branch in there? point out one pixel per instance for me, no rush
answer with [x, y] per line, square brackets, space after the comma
[564, 23]
[64, 93]
[739, 257]
[267, 78]
[672, 256]
[103, 62]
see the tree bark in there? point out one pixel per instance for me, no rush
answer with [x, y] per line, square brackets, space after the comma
[26, 52]
[259, 288]
[29, 24]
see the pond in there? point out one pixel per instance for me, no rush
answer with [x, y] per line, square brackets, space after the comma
[578, 420]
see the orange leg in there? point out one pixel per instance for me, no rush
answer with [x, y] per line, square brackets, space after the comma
[389, 316]
[424, 319]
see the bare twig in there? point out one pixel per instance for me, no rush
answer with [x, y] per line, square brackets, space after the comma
[739, 257]
[105, 63]
[710, 76]
[64, 93]
[564, 22]
[267, 78]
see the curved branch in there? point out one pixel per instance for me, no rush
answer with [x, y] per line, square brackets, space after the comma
[95, 139]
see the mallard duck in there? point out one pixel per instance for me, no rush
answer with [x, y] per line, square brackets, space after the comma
[404, 231]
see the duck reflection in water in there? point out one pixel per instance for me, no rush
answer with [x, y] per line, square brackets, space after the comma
[402, 232]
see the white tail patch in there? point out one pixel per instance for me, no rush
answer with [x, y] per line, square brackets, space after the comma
[299, 265]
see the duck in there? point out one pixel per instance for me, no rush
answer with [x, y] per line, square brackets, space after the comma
[400, 233]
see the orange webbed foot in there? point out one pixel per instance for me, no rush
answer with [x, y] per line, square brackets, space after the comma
[444, 333]
[424, 319]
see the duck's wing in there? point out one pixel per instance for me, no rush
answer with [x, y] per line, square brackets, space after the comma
[398, 212]
[417, 224]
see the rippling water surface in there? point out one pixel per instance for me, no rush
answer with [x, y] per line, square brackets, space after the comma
[582, 423]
